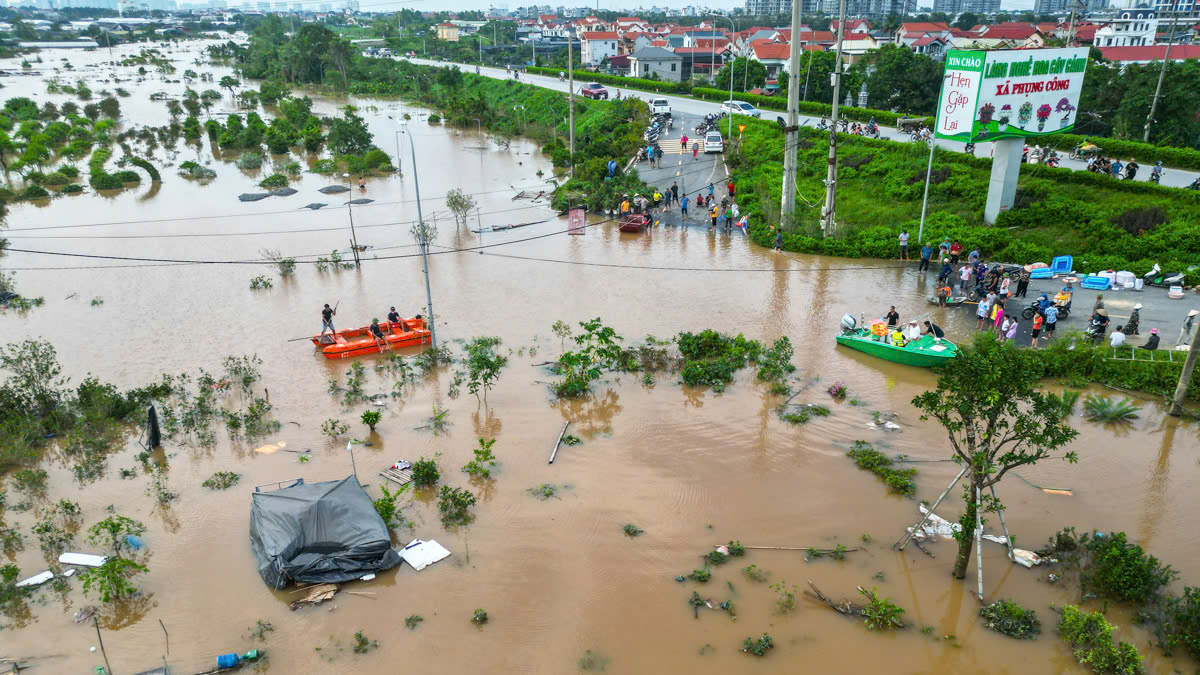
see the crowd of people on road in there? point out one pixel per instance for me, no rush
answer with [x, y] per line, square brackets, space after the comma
[994, 287]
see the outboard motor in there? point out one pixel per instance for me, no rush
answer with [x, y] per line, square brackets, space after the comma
[848, 323]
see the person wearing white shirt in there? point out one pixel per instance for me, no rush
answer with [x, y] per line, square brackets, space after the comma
[1117, 338]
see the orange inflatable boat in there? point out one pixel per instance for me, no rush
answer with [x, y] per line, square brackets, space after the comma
[358, 341]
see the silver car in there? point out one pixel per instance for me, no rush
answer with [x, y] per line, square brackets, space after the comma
[740, 108]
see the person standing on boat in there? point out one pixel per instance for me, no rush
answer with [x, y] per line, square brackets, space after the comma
[893, 317]
[327, 315]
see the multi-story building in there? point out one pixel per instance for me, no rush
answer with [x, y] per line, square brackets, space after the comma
[1127, 28]
[1054, 7]
[768, 7]
[595, 46]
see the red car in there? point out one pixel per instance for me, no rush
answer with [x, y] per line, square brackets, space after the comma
[594, 90]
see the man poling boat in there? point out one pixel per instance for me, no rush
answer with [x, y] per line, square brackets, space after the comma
[373, 338]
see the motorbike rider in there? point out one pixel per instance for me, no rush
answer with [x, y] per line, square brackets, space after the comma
[970, 149]
[1156, 172]
[1131, 169]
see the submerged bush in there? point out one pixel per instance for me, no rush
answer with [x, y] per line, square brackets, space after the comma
[1013, 620]
[869, 459]
[1090, 635]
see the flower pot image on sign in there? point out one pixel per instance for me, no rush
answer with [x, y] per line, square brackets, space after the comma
[1007, 90]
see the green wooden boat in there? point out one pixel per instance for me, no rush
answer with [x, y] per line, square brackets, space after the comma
[925, 352]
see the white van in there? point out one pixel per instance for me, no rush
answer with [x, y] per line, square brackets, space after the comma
[713, 142]
[659, 106]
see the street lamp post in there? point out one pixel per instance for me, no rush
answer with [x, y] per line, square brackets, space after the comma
[423, 240]
[350, 212]
[729, 132]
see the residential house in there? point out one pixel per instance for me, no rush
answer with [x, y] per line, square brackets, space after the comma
[852, 26]
[699, 62]
[594, 47]
[447, 31]
[918, 30]
[854, 45]
[931, 45]
[773, 55]
[1128, 28]
[649, 62]
[633, 41]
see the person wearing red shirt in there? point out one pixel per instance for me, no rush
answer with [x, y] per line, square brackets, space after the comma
[956, 250]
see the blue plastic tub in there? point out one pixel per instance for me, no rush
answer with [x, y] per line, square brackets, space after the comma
[227, 660]
[1063, 264]
[1041, 273]
[1096, 283]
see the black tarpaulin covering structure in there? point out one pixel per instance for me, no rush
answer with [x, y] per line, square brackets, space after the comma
[318, 533]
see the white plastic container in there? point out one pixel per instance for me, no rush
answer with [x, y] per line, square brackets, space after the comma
[1137, 284]
[1175, 292]
[1125, 279]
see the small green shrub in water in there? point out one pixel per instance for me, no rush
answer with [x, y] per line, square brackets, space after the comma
[483, 463]
[787, 596]
[250, 160]
[371, 418]
[544, 491]
[1006, 616]
[633, 530]
[221, 480]
[1115, 568]
[260, 282]
[869, 459]
[753, 573]
[1090, 635]
[700, 575]
[413, 621]
[334, 428]
[363, 644]
[736, 550]
[758, 647]
[71, 189]
[386, 507]
[480, 617]
[1105, 409]
[593, 662]
[425, 472]
[454, 505]
[804, 414]
[880, 614]
[715, 558]
[275, 180]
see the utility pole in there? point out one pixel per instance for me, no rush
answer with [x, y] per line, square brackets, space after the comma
[829, 213]
[1161, 74]
[1071, 25]
[424, 241]
[571, 97]
[791, 136]
[350, 213]
[1185, 377]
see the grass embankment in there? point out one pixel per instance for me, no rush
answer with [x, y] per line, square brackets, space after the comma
[604, 130]
[1105, 224]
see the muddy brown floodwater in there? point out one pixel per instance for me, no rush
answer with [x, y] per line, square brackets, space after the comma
[557, 577]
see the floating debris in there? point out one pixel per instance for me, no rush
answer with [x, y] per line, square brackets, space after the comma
[360, 200]
[316, 595]
[253, 196]
[314, 206]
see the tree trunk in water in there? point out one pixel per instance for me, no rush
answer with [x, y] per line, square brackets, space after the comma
[966, 537]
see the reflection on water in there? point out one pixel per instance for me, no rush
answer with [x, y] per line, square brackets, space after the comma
[691, 467]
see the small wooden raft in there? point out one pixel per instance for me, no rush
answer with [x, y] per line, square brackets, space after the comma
[398, 476]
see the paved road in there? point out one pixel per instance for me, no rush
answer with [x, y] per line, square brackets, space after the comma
[1172, 177]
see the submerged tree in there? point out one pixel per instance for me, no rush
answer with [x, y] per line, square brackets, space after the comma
[460, 204]
[997, 420]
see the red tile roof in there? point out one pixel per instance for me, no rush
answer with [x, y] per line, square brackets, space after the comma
[1009, 32]
[817, 36]
[772, 50]
[928, 40]
[924, 27]
[600, 35]
[1151, 53]
[855, 36]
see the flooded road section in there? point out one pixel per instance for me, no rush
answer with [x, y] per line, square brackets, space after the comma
[558, 577]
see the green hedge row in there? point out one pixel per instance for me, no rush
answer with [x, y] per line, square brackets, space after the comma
[806, 107]
[584, 76]
[1180, 158]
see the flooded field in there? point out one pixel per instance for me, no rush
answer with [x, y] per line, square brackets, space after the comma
[558, 577]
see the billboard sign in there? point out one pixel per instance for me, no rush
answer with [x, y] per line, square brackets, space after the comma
[1010, 93]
